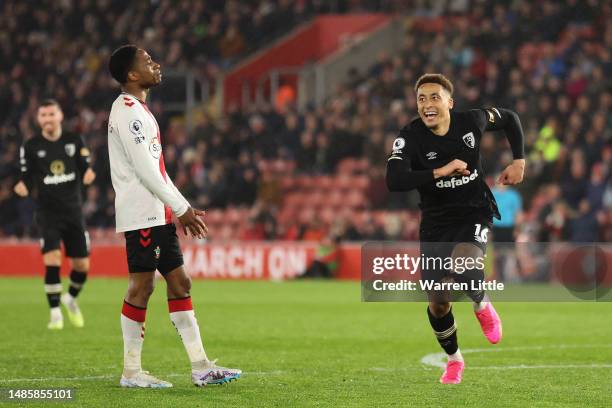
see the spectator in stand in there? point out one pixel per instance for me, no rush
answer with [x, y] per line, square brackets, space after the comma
[326, 261]
[510, 206]
[285, 96]
[575, 184]
[314, 231]
[583, 225]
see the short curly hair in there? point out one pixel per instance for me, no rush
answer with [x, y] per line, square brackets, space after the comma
[121, 62]
[435, 79]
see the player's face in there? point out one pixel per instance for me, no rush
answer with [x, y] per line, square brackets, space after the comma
[434, 104]
[148, 71]
[50, 118]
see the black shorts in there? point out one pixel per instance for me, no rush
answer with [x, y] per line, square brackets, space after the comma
[67, 228]
[155, 248]
[439, 242]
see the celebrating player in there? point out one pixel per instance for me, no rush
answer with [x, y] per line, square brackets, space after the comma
[54, 163]
[145, 200]
[438, 154]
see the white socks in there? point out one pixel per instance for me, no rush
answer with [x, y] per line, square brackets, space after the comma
[56, 314]
[183, 318]
[455, 357]
[480, 306]
[132, 327]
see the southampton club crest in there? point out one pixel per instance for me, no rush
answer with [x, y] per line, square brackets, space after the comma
[469, 140]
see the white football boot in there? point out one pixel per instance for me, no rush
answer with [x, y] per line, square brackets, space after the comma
[214, 374]
[143, 379]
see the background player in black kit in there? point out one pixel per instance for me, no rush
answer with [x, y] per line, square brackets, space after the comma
[438, 154]
[53, 164]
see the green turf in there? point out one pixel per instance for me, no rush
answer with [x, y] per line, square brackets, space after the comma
[307, 344]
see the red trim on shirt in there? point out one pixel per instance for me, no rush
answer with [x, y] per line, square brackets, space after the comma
[162, 165]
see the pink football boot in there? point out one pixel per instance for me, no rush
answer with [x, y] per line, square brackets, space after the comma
[490, 323]
[453, 372]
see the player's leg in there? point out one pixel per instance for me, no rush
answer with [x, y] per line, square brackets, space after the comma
[442, 321]
[76, 242]
[483, 308]
[182, 315]
[52, 259]
[469, 252]
[142, 262]
[78, 275]
[439, 309]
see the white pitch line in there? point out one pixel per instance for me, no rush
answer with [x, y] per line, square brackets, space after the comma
[548, 347]
[432, 360]
[87, 378]
[435, 359]
[117, 376]
[438, 359]
[543, 366]
[508, 367]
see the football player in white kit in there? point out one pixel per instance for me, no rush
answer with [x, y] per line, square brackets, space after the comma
[145, 200]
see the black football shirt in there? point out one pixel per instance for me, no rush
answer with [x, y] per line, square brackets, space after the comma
[449, 199]
[55, 170]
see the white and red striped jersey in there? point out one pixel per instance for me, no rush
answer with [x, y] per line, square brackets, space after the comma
[144, 194]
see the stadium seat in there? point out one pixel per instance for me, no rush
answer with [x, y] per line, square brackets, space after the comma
[361, 182]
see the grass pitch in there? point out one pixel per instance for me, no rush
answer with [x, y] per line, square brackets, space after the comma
[308, 344]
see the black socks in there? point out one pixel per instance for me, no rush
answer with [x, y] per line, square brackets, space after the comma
[445, 331]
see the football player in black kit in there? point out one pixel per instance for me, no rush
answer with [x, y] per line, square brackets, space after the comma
[438, 154]
[54, 164]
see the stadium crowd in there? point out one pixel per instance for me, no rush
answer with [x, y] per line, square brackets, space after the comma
[549, 61]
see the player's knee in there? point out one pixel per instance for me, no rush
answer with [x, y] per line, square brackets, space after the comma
[439, 309]
[186, 284]
[466, 250]
[147, 288]
[80, 264]
[141, 290]
[466, 256]
[53, 258]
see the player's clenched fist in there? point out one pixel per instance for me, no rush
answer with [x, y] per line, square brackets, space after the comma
[455, 168]
[513, 174]
[21, 190]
